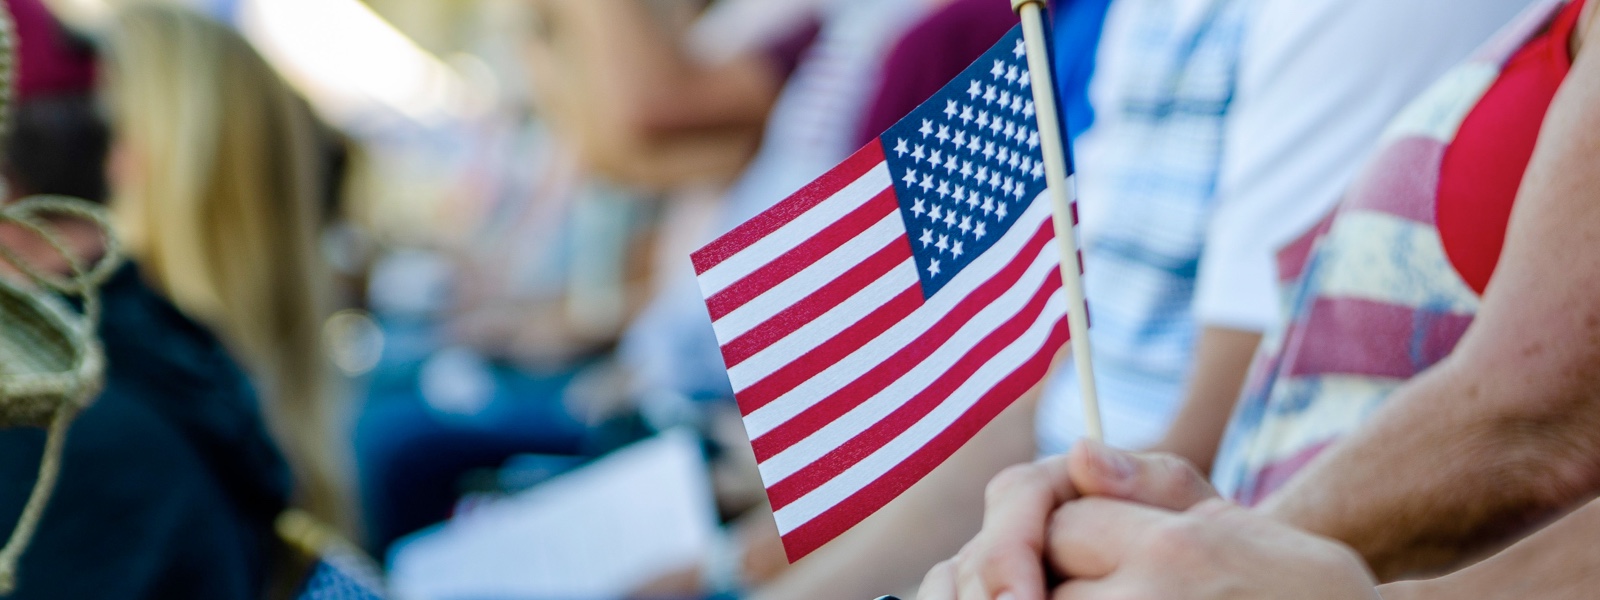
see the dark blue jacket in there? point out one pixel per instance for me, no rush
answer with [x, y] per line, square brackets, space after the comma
[169, 482]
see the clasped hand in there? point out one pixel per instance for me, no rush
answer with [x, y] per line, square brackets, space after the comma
[1100, 524]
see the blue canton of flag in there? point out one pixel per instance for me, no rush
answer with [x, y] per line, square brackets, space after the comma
[966, 161]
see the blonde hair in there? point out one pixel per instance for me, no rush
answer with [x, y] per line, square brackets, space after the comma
[223, 214]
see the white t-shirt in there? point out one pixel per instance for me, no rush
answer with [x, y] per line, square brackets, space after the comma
[1317, 81]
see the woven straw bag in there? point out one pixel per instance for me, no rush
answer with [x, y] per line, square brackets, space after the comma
[51, 363]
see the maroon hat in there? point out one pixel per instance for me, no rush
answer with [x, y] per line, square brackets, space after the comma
[51, 60]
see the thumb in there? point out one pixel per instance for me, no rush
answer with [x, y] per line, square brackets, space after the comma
[1156, 479]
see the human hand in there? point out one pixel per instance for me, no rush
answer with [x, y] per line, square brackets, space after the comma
[1216, 550]
[1006, 559]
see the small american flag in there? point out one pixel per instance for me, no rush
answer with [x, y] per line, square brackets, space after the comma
[874, 321]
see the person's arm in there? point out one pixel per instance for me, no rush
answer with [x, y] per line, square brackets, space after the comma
[1215, 551]
[891, 550]
[1507, 428]
[643, 65]
[1560, 562]
[616, 80]
[1222, 360]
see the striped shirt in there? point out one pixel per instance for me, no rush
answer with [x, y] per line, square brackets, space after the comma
[1148, 174]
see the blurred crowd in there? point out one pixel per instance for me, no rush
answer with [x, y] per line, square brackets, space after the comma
[1342, 280]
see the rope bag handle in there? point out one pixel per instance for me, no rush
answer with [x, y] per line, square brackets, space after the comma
[83, 282]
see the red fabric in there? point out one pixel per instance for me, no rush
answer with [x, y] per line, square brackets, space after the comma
[929, 55]
[785, 55]
[50, 61]
[1483, 167]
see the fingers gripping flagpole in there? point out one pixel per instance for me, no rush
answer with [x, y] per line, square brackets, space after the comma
[1061, 193]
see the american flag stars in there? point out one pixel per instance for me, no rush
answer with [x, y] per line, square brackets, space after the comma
[966, 163]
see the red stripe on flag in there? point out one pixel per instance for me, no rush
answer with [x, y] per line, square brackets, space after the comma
[895, 423]
[802, 313]
[887, 370]
[790, 208]
[825, 354]
[834, 521]
[804, 255]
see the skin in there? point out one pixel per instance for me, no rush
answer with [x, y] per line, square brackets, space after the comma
[897, 541]
[1503, 432]
[1114, 549]
[1222, 360]
[635, 106]
[81, 238]
[1006, 559]
[1140, 547]
[1561, 562]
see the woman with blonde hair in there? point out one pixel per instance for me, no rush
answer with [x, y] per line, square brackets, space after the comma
[170, 485]
[215, 178]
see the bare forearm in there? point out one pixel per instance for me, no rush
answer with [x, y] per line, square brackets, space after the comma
[891, 550]
[1560, 562]
[1222, 359]
[1451, 463]
[637, 60]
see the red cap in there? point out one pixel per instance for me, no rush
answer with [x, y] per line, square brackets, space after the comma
[51, 60]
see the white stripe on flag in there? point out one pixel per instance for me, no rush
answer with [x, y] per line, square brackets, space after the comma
[810, 279]
[918, 378]
[843, 372]
[858, 476]
[825, 327]
[804, 227]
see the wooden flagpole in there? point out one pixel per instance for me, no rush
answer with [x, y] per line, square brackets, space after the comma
[1061, 194]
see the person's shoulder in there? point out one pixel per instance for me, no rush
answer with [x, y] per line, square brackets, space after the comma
[126, 479]
[134, 502]
[149, 343]
[191, 401]
[119, 451]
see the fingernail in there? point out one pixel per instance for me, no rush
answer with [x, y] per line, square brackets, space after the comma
[1112, 463]
[1006, 596]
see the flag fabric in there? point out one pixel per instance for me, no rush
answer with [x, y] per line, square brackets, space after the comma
[874, 321]
[342, 577]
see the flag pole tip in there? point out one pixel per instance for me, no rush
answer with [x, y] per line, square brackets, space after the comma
[1017, 5]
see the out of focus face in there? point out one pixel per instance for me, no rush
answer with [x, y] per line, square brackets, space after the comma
[125, 173]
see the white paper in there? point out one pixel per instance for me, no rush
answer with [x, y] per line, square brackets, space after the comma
[598, 532]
